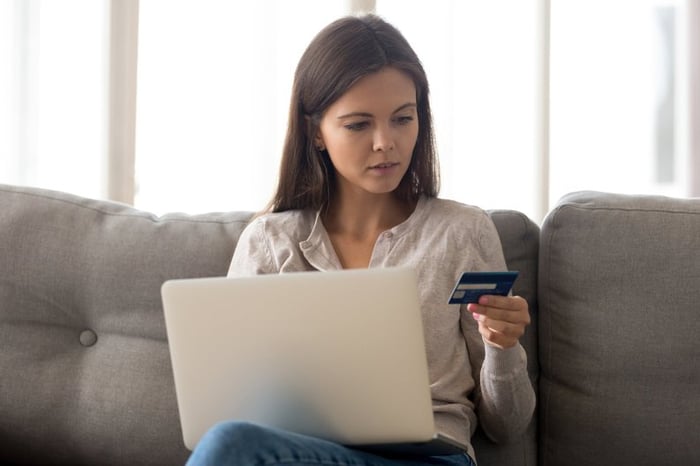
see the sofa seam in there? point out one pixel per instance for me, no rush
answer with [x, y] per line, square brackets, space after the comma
[629, 209]
[545, 397]
[137, 214]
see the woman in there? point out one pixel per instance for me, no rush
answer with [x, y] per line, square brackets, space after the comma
[358, 188]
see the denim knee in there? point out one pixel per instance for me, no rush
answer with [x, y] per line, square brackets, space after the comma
[229, 442]
[237, 432]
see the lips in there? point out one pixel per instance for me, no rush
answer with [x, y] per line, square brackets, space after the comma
[384, 165]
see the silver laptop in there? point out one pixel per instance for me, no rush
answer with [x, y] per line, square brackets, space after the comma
[337, 355]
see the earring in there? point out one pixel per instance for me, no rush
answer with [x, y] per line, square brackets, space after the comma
[318, 142]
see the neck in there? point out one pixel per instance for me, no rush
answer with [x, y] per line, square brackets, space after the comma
[365, 216]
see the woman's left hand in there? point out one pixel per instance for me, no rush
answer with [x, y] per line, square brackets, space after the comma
[502, 319]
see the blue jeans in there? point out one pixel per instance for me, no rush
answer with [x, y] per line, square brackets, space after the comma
[245, 444]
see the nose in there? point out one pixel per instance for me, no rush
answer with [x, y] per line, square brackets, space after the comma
[383, 139]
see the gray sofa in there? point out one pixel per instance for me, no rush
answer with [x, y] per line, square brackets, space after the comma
[85, 376]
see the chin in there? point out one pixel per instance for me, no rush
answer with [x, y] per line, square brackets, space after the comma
[383, 191]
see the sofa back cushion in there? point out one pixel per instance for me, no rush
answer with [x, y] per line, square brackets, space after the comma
[86, 374]
[618, 328]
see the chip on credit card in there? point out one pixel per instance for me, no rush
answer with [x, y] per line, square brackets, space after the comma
[472, 285]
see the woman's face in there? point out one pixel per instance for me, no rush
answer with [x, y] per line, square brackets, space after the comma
[370, 132]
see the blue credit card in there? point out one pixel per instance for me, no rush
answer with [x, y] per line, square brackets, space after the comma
[472, 285]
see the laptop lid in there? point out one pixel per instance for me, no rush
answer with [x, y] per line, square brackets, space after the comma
[338, 355]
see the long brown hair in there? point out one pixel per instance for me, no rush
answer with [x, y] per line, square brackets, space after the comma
[339, 55]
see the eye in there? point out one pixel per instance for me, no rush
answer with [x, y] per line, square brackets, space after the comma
[404, 120]
[357, 126]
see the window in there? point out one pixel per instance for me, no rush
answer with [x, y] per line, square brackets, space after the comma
[618, 87]
[54, 84]
[214, 80]
[213, 102]
[609, 108]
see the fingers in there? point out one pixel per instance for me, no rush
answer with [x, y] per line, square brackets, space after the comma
[512, 309]
[499, 333]
[502, 320]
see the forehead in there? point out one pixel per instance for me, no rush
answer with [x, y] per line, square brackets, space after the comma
[385, 90]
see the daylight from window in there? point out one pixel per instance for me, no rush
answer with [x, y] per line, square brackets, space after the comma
[214, 78]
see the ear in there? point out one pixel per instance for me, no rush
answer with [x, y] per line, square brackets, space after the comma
[318, 138]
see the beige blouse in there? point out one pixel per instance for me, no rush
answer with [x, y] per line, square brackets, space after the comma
[440, 240]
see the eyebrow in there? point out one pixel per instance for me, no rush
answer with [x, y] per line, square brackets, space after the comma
[369, 115]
